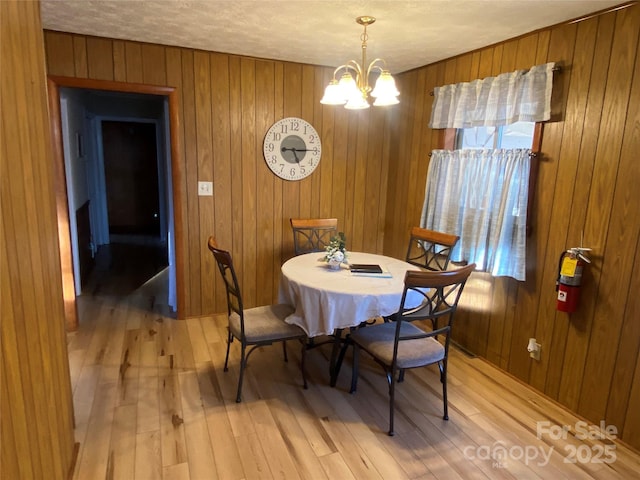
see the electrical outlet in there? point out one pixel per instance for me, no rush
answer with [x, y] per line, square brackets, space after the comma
[533, 347]
[205, 189]
[535, 354]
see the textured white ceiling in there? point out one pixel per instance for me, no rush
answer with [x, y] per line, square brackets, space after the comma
[407, 34]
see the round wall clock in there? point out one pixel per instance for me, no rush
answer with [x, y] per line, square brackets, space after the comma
[292, 148]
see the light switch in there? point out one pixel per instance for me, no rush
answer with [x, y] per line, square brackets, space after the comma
[205, 189]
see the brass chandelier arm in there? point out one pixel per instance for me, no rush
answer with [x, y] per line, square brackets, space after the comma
[373, 65]
[362, 80]
[350, 65]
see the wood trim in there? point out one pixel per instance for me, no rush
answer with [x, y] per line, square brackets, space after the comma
[54, 84]
[177, 179]
[74, 82]
[447, 138]
[536, 157]
[74, 460]
[433, 236]
[313, 222]
[62, 210]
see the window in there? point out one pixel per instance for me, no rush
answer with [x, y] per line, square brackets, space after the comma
[479, 188]
[478, 156]
[516, 135]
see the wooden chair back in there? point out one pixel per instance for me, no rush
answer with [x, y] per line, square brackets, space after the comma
[312, 234]
[429, 249]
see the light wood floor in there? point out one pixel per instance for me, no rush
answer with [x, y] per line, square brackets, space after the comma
[152, 402]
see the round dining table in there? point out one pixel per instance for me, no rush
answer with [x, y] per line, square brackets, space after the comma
[327, 300]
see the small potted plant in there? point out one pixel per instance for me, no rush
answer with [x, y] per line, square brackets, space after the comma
[336, 252]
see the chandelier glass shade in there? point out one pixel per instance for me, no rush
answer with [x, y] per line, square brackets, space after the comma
[353, 89]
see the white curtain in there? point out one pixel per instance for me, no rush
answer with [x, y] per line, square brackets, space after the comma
[520, 96]
[482, 196]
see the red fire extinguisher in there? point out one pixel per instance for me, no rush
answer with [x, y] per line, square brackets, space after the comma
[570, 268]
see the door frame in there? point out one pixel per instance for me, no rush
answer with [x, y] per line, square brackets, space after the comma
[54, 83]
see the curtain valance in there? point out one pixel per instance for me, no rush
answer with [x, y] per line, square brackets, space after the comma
[520, 96]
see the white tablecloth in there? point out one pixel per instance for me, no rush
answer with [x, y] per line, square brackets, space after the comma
[328, 299]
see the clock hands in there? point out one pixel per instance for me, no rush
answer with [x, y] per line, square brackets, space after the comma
[294, 150]
[284, 149]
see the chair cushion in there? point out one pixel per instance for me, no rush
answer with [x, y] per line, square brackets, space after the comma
[262, 324]
[378, 341]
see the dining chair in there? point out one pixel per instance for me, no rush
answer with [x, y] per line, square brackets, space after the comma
[312, 234]
[408, 342]
[429, 249]
[254, 327]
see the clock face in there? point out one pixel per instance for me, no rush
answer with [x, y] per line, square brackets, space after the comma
[292, 148]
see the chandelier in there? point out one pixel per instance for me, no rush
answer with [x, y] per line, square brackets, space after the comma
[354, 93]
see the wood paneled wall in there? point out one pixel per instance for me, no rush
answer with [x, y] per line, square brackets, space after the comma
[372, 178]
[227, 103]
[586, 188]
[37, 439]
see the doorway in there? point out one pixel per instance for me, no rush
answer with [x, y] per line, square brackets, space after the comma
[118, 173]
[131, 178]
[131, 244]
[137, 231]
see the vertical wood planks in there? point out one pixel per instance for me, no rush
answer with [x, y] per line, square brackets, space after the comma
[249, 179]
[606, 225]
[36, 403]
[204, 133]
[580, 326]
[265, 215]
